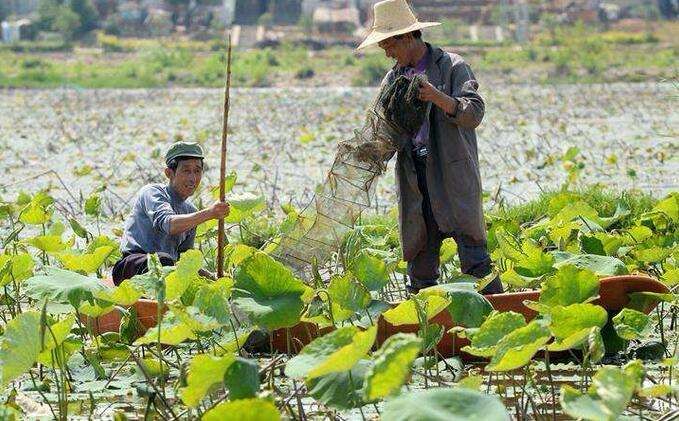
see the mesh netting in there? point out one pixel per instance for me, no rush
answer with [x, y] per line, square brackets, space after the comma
[391, 121]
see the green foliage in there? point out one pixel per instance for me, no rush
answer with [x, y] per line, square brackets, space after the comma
[63, 286]
[607, 397]
[334, 352]
[569, 285]
[406, 313]
[484, 340]
[20, 346]
[518, 347]
[205, 372]
[445, 405]
[392, 365]
[244, 410]
[268, 292]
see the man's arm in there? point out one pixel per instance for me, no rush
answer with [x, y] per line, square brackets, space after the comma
[181, 223]
[465, 107]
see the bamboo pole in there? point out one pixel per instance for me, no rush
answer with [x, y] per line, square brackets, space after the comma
[222, 167]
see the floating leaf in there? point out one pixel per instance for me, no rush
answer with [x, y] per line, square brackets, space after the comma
[243, 410]
[631, 324]
[391, 365]
[124, 294]
[213, 299]
[268, 292]
[244, 205]
[347, 296]
[370, 271]
[63, 286]
[242, 379]
[445, 405]
[491, 331]
[48, 243]
[205, 372]
[607, 397]
[600, 265]
[185, 272]
[20, 345]
[341, 390]
[336, 351]
[517, 348]
[87, 262]
[172, 332]
[468, 308]
[405, 313]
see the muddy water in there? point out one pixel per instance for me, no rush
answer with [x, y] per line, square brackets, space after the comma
[282, 141]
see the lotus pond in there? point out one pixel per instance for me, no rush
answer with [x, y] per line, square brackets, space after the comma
[73, 159]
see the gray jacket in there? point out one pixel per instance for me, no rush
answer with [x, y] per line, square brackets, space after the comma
[453, 178]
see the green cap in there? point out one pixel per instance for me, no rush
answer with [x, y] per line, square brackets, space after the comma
[184, 149]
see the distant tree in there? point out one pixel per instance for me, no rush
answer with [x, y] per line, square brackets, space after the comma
[71, 18]
[67, 22]
[87, 15]
[183, 10]
[4, 10]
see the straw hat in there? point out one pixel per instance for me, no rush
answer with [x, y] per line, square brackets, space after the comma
[392, 17]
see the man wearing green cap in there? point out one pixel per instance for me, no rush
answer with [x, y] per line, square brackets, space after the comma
[163, 220]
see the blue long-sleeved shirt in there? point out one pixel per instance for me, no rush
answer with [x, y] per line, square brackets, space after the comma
[147, 229]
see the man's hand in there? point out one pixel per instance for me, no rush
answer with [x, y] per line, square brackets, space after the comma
[429, 93]
[219, 210]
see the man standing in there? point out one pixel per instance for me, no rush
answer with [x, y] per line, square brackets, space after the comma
[438, 179]
[163, 220]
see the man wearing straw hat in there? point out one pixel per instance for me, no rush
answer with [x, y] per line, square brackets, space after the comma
[438, 179]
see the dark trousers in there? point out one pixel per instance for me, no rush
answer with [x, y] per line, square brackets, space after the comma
[423, 270]
[135, 264]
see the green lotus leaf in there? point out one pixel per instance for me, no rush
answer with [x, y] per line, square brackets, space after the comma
[391, 367]
[569, 285]
[341, 390]
[87, 262]
[600, 265]
[468, 308]
[205, 372]
[213, 299]
[371, 271]
[124, 294]
[242, 379]
[631, 324]
[607, 397]
[35, 214]
[244, 205]
[441, 404]
[48, 243]
[405, 313]
[268, 292]
[63, 286]
[172, 332]
[347, 296]
[185, 272]
[568, 320]
[20, 345]
[491, 331]
[243, 410]
[518, 347]
[15, 268]
[336, 351]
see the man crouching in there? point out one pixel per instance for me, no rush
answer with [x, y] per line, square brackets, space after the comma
[163, 220]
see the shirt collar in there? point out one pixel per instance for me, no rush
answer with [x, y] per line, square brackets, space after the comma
[174, 194]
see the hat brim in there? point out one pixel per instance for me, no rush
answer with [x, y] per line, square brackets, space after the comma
[376, 36]
[185, 155]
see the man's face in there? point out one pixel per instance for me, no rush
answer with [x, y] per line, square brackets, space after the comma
[397, 49]
[186, 178]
